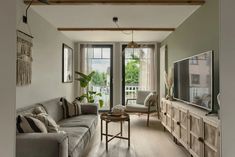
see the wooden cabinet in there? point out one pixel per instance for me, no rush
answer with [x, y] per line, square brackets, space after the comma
[195, 138]
[166, 114]
[198, 133]
[211, 140]
[175, 122]
[183, 125]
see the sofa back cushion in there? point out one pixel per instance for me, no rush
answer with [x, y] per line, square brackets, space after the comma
[54, 109]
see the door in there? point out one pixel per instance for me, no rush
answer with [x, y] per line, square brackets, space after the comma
[196, 137]
[99, 58]
[138, 70]
[176, 122]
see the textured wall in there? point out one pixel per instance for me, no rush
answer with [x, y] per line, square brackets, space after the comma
[47, 61]
[199, 33]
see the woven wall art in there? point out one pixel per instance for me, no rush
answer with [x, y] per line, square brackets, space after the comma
[24, 59]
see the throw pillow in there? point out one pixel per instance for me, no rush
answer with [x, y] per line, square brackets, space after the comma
[48, 121]
[150, 99]
[28, 124]
[70, 109]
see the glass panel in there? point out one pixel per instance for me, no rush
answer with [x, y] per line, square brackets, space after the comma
[101, 63]
[106, 52]
[97, 53]
[137, 70]
[90, 52]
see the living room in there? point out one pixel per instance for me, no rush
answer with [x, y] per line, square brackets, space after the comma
[168, 31]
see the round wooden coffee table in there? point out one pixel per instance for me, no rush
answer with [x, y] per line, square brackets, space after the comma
[107, 118]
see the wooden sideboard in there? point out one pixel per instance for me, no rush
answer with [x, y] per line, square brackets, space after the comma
[189, 125]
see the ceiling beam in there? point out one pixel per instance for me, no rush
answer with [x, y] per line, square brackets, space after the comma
[116, 29]
[126, 2]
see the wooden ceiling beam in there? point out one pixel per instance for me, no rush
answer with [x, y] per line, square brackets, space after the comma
[125, 2]
[116, 29]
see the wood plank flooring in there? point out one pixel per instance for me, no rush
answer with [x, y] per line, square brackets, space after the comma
[145, 141]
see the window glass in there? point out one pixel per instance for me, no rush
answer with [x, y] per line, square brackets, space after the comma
[106, 52]
[97, 53]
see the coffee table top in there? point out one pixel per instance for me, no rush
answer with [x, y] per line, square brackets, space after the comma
[114, 118]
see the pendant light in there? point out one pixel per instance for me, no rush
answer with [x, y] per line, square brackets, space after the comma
[132, 44]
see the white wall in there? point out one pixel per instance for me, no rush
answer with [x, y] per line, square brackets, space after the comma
[47, 61]
[7, 83]
[227, 76]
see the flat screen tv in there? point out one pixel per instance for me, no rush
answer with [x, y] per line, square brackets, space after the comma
[193, 80]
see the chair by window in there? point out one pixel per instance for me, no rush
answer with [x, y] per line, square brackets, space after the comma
[146, 102]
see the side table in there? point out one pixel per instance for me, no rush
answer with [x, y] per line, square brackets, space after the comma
[107, 118]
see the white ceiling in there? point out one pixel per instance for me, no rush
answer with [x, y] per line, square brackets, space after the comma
[83, 16]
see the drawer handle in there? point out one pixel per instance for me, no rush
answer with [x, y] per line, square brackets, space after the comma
[201, 139]
[178, 123]
[165, 113]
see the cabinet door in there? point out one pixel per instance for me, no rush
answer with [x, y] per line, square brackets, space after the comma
[183, 127]
[175, 122]
[211, 140]
[163, 112]
[195, 135]
[168, 115]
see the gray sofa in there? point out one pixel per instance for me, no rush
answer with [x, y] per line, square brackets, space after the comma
[78, 132]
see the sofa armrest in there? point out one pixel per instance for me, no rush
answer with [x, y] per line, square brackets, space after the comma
[89, 108]
[41, 144]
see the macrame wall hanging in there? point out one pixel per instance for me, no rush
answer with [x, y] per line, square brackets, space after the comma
[24, 59]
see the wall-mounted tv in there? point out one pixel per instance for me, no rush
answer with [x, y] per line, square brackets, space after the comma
[193, 80]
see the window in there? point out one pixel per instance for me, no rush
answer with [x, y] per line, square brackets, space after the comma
[194, 61]
[195, 79]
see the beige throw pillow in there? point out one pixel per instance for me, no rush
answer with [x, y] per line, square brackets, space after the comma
[48, 121]
[151, 98]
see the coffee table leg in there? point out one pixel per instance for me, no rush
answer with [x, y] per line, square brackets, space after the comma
[106, 135]
[121, 128]
[101, 125]
[129, 134]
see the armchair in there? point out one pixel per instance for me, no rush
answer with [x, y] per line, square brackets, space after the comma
[144, 104]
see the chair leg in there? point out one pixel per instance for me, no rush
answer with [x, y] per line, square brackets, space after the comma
[148, 120]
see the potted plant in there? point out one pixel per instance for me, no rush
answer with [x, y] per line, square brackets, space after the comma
[89, 95]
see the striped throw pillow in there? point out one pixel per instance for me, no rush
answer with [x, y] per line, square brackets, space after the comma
[28, 124]
[70, 109]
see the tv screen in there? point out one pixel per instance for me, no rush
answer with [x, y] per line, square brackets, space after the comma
[193, 80]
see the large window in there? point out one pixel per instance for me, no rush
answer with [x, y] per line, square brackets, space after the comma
[98, 58]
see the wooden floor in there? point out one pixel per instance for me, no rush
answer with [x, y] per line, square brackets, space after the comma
[145, 141]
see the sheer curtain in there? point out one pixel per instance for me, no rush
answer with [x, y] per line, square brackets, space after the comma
[147, 74]
[85, 50]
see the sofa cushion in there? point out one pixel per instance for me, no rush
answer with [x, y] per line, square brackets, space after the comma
[139, 108]
[82, 121]
[78, 139]
[28, 124]
[54, 109]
